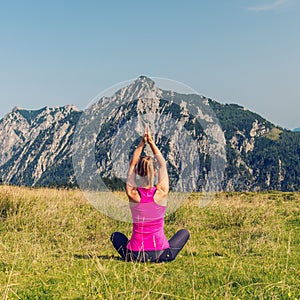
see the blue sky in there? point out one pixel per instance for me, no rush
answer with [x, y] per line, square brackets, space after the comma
[235, 51]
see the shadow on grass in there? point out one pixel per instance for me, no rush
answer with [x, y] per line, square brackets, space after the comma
[88, 256]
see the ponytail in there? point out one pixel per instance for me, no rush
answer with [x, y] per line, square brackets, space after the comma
[145, 168]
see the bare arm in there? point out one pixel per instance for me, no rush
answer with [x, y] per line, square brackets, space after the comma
[163, 178]
[131, 187]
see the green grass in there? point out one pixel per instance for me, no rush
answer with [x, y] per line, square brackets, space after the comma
[55, 245]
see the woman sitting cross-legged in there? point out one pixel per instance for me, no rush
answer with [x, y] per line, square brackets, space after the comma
[148, 205]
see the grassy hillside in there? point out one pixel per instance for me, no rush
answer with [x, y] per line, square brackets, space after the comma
[54, 245]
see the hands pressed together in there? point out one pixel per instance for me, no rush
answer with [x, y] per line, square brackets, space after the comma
[147, 138]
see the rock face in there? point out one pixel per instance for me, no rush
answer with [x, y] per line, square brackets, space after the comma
[249, 154]
[36, 145]
[260, 156]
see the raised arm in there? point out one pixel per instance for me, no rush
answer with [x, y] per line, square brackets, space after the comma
[131, 187]
[163, 178]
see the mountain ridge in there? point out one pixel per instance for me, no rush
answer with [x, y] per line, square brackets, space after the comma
[37, 144]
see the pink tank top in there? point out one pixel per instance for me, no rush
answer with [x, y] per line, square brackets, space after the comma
[148, 223]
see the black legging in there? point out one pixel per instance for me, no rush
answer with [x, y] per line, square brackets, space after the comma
[176, 242]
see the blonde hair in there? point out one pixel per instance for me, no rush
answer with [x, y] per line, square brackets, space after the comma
[145, 168]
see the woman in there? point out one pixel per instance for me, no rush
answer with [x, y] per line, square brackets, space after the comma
[148, 205]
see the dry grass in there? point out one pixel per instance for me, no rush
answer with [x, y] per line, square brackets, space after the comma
[55, 245]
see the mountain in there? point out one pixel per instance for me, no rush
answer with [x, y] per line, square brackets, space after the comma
[296, 129]
[45, 147]
[260, 156]
[36, 146]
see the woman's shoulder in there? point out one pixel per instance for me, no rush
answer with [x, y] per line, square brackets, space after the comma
[161, 195]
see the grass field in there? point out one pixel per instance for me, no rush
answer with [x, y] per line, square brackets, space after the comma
[55, 245]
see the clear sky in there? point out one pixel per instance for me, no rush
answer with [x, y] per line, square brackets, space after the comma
[235, 51]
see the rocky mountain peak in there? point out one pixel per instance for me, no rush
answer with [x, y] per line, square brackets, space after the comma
[142, 87]
[145, 80]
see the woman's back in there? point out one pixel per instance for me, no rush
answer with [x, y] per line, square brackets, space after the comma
[148, 223]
